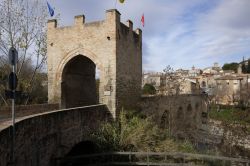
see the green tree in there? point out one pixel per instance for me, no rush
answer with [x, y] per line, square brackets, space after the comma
[231, 66]
[39, 92]
[244, 69]
[148, 89]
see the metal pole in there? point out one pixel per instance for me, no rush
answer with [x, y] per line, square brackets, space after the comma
[13, 121]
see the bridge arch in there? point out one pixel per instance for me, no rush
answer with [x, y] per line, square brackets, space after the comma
[189, 108]
[180, 113]
[75, 52]
[85, 147]
[165, 119]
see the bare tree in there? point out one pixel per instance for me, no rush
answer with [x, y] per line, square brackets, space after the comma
[23, 26]
[171, 83]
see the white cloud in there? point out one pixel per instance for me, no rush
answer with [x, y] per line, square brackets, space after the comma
[217, 35]
[180, 33]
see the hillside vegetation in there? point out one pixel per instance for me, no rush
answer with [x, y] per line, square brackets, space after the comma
[231, 115]
[134, 132]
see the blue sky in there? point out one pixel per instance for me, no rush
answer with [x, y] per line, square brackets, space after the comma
[180, 33]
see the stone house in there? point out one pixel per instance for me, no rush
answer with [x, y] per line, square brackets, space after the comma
[154, 79]
[227, 89]
[189, 86]
[194, 72]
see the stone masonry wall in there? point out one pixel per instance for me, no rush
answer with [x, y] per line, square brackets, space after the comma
[42, 137]
[182, 115]
[86, 39]
[129, 65]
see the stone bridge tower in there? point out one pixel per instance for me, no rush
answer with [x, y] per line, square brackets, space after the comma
[76, 52]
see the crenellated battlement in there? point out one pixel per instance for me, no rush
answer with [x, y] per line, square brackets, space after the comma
[112, 18]
[130, 25]
[79, 20]
[52, 24]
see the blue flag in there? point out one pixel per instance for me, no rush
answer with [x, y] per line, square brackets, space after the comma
[51, 11]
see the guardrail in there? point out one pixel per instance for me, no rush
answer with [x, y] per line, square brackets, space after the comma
[150, 159]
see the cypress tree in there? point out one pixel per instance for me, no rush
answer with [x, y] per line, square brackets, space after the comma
[244, 69]
[248, 66]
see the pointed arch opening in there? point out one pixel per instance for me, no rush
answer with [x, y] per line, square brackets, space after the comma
[78, 86]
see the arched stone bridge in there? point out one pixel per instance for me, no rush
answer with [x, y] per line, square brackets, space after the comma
[42, 137]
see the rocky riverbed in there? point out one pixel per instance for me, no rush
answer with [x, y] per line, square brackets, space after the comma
[229, 139]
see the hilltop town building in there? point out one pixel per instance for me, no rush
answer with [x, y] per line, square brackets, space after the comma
[224, 86]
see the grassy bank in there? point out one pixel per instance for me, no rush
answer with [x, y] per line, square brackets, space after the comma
[235, 118]
[231, 115]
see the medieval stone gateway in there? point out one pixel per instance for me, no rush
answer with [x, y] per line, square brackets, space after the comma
[75, 52]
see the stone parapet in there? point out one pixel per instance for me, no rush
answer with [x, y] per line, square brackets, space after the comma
[40, 138]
